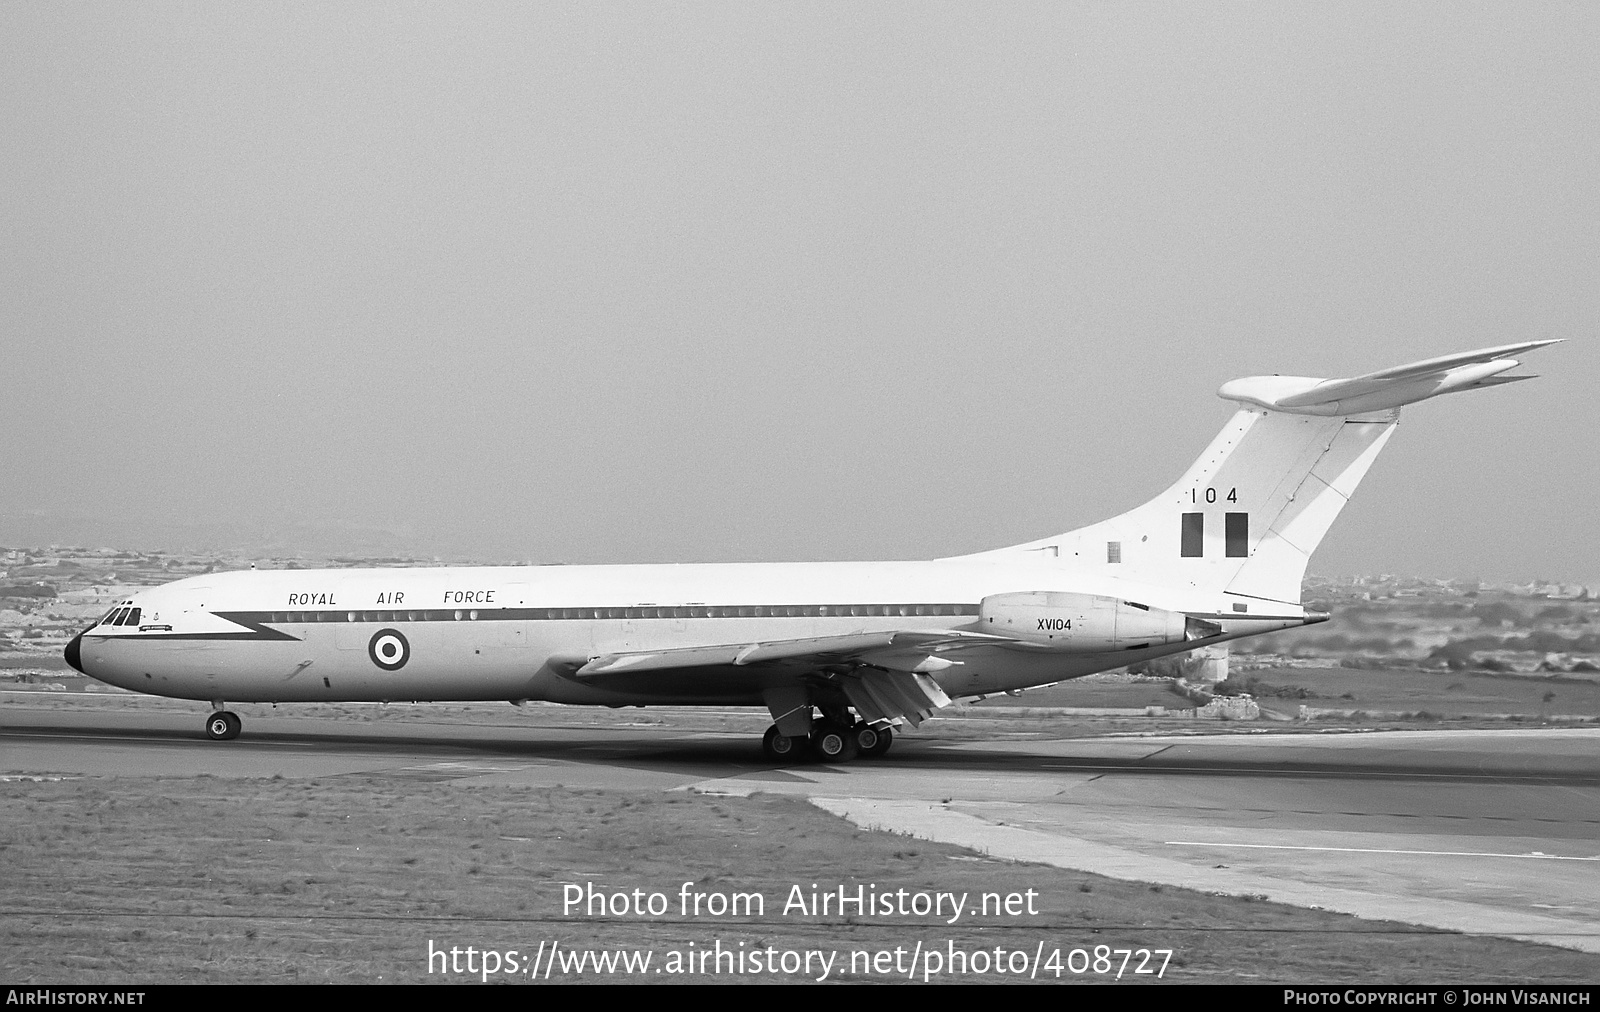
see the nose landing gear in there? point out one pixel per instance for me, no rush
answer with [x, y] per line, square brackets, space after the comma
[223, 725]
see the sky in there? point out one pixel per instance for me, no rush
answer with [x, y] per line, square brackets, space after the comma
[657, 282]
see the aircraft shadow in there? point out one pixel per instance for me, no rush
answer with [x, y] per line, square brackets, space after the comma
[710, 757]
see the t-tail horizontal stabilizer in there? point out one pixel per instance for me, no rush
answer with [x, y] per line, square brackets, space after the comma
[1382, 390]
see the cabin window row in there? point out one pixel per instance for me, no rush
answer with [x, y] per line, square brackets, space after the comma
[683, 612]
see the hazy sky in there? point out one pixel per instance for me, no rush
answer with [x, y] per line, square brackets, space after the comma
[680, 282]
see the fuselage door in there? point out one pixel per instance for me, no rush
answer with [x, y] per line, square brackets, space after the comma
[513, 627]
[348, 625]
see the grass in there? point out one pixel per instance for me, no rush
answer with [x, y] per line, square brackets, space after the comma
[347, 879]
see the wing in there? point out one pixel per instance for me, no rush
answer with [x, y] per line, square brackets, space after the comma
[885, 675]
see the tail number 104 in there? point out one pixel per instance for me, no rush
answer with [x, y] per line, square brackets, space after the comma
[1210, 495]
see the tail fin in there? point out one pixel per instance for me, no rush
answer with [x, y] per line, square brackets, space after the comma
[1245, 518]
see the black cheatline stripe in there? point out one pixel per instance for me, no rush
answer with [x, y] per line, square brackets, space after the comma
[253, 622]
[258, 619]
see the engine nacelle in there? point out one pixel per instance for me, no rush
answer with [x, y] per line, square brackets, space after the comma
[1086, 623]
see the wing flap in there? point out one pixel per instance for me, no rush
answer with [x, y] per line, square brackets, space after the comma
[880, 695]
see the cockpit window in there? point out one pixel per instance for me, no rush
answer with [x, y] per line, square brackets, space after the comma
[106, 620]
[131, 618]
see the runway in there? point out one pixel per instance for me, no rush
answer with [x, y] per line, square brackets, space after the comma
[1486, 832]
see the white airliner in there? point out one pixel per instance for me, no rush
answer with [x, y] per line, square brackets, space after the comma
[839, 653]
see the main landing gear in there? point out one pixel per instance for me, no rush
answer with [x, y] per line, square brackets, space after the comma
[830, 742]
[223, 725]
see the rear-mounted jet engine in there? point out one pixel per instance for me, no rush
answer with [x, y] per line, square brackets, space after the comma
[1087, 623]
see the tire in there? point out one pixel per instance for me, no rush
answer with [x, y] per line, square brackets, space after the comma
[780, 747]
[882, 738]
[834, 744]
[223, 726]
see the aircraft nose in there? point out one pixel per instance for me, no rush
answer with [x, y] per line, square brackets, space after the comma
[74, 653]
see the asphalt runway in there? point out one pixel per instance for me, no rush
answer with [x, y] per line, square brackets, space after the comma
[1487, 832]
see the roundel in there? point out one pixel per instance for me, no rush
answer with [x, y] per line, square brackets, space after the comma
[389, 649]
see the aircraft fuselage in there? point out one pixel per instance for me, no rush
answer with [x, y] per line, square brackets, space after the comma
[515, 633]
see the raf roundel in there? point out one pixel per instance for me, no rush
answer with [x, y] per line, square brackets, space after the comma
[389, 649]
